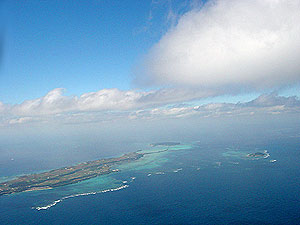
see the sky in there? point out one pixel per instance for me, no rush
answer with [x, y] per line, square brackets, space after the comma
[95, 62]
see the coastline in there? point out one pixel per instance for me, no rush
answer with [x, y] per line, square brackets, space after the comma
[66, 175]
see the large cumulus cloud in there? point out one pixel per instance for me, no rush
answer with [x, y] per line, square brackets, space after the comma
[230, 45]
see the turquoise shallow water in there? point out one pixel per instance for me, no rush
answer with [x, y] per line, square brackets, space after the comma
[46, 199]
[190, 184]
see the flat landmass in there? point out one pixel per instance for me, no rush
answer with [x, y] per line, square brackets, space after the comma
[264, 154]
[66, 175]
[165, 144]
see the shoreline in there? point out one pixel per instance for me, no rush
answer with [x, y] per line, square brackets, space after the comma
[66, 175]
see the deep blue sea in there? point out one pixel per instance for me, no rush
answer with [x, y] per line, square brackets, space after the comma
[212, 183]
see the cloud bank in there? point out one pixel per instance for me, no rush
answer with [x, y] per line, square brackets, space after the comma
[109, 105]
[230, 45]
[271, 104]
[55, 102]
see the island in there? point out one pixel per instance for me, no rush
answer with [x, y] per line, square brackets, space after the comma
[165, 144]
[66, 175]
[264, 154]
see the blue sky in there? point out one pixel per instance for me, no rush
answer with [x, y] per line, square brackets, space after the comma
[76, 45]
[79, 46]
[136, 58]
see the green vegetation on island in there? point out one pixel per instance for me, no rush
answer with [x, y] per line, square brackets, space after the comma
[264, 154]
[66, 175]
[165, 144]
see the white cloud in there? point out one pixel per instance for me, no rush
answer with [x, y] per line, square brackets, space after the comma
[113, 105]
[230, 44]
[55, 102]
[263, 105]
[2, 107]
[20, 120]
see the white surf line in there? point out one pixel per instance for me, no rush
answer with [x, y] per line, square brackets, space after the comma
[267, 154]
[77, 195]
[160, 173]
[177, 170]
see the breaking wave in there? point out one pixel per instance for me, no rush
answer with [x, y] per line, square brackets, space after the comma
[77, 195]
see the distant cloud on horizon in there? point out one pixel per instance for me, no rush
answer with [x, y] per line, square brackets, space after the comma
[113, 105]
[229, 45]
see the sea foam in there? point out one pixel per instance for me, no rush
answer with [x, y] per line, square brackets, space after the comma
[77, 195]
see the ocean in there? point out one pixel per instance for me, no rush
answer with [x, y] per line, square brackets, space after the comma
[194, 183]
